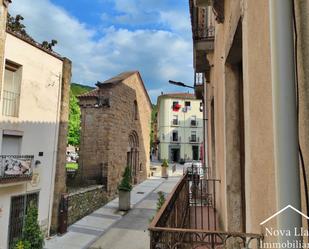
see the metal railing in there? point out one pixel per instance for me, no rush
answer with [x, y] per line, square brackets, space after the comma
[188, 219]
[193, 123]
[194, 139]
[175, 122]
[175, 139]
[206, 33]
[15, 168]
[10, 103]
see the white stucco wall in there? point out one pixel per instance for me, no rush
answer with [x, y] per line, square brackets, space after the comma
[38, 120]
[165, 117]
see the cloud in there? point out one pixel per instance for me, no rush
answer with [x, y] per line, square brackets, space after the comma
[97, 54]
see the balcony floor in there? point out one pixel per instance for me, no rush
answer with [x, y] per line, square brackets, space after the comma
[203, 217]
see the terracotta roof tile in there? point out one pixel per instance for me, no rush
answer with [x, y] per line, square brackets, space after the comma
[118, 78]
[178, 95]
[92, 93]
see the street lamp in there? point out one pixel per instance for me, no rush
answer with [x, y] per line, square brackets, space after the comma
[178, 83]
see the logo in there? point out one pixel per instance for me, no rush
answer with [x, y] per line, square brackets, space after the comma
[289, 237]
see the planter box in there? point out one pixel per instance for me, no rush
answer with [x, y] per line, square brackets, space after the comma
[124, 200]
[164, 173]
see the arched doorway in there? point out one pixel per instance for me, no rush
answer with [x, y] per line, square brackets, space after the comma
[133, 155]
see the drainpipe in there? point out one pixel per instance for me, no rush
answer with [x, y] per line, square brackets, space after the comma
[285, 115]
[206, 170]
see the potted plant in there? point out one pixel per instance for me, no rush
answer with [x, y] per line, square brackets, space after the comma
[164, 167]
[124, 189]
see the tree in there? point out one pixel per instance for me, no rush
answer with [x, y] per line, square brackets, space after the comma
[74, 121]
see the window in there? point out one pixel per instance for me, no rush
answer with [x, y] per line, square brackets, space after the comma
[175, 120]
[176, 106]
[11, 145]
[19, 208]
[175, 136]
[193, 121]
[135, 111]
[187, 104]
[11, 89]
[193, 136]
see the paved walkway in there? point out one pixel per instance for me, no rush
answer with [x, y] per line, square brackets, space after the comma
[131, 232]
[85, 232]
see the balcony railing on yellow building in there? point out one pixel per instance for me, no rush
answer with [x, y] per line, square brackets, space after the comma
[15, 168]
[188, 219]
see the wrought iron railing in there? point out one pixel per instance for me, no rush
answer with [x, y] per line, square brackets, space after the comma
[15, 168]
[175, 139]
[10, 103]
[201, 34]
[188, 219]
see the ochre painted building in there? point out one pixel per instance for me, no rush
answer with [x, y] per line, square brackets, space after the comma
[115, 131]
[233, 54]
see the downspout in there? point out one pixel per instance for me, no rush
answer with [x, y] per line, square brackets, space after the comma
[285, 116]
[206, 169]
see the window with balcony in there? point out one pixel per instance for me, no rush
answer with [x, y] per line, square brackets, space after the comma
[193, 121]
[175, 120]
[11, 89]
[193, 137]
[175, 136]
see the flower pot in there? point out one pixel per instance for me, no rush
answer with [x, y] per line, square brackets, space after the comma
[124, 200]
[164, 173]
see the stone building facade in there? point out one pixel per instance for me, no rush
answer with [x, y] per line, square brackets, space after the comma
[115, 131]
[233, 54]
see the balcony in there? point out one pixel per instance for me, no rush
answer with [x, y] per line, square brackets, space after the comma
[175, 122]
[10, 103]
[175, 139]
[188, 219]
[193, 123]
[199, 80]
[194, 139]
[15, 169]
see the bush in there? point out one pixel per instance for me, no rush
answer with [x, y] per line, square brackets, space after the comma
[125, 184]
[161, 200]
[32, 233]
[165, 163]
[21, 244]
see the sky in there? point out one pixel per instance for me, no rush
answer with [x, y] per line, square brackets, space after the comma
[106, 37]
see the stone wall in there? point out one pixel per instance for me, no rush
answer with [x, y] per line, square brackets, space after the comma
[85, 201]
[106, 130]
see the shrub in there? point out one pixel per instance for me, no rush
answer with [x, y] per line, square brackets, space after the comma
[22, 244]
[32, 233]
[165, 163]
[161, 200]
[125, 184]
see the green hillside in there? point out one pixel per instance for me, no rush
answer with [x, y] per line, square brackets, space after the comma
[78, 89]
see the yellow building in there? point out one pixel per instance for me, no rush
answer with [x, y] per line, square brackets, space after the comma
[180, 127]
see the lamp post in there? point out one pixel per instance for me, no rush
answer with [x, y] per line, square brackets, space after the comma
[178, 83]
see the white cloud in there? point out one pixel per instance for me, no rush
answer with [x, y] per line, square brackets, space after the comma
[159, 55]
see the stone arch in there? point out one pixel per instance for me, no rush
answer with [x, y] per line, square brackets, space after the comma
[133, 154]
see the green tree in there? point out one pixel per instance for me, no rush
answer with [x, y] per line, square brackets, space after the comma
[33, 237]
[74, 121]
